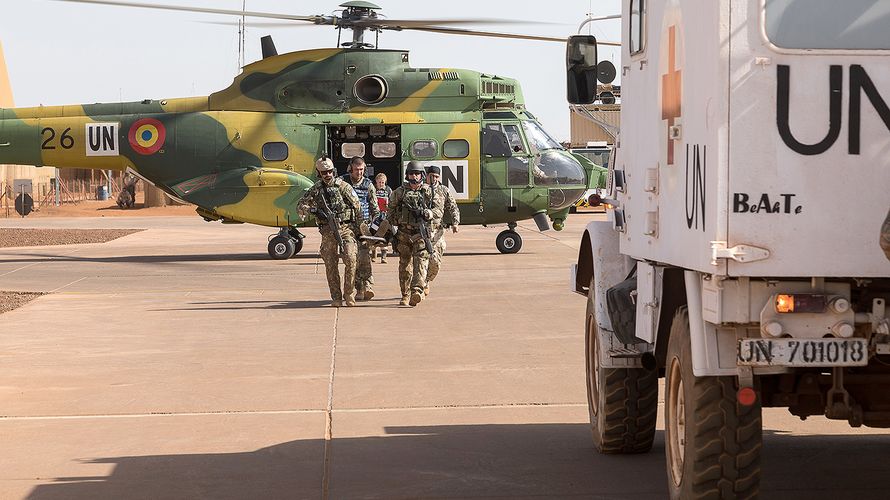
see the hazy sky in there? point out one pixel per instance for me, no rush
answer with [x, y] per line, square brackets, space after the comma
[66, 53]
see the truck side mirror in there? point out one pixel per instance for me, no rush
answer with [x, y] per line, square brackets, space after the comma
[581, 69]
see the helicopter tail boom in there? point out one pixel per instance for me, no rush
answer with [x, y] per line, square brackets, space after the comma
[94, 136]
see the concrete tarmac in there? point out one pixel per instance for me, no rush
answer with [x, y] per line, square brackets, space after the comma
[182, 362]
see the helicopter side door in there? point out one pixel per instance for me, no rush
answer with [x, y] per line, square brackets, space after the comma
[378, 144]
[508, 191]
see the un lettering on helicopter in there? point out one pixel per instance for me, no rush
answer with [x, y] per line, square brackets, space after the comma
[454, 176]
[246, 154]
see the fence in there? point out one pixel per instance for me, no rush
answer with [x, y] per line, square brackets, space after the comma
[73, 191]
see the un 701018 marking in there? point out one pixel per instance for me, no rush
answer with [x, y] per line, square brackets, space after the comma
[802, 352]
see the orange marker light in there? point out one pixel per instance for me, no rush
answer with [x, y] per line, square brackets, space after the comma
[801, 303]
[785, 303]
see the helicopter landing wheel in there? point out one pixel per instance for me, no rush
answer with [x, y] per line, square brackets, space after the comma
[281, 247]
[508, 241]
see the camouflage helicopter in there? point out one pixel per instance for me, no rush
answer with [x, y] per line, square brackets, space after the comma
[246, 154]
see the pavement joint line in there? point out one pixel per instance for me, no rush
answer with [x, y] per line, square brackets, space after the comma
[167, 292]
[69, 284]
[543, 233]
[7, 418]
[292, 411]
[51, 259]
[495, 406]
[328, 421]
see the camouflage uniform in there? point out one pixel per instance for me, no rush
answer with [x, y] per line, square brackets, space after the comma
[444, 202]
[343, 202]
[885, 236]
[412, 251]
[367, 197]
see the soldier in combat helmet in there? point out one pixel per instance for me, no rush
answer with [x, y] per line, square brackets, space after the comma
[408, 207]
[443, 201]
[367, 196]
[331, 193]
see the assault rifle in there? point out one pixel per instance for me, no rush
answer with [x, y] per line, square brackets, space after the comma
[332, 219]
[422, 226]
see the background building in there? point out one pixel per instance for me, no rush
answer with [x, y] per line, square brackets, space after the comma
[597, 122]
[41, 178]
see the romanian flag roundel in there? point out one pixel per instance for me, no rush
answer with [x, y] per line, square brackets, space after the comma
[147, 136]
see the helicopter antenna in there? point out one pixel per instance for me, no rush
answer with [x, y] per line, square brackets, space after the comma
[242, 35]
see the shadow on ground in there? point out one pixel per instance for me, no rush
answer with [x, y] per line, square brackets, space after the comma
[238, 305]
[154, 259]
[471, 461]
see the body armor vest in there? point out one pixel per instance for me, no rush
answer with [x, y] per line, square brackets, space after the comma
[361, 190]
[335, 201]
[411, 200]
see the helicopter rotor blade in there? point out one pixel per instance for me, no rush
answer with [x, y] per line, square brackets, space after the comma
[457, 31]
[204, 10]
[435, 23]
[260, 24]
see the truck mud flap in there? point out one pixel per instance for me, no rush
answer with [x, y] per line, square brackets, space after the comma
[621, 303]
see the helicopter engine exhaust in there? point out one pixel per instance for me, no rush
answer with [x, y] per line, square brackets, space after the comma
[370, 89]
[268, 46]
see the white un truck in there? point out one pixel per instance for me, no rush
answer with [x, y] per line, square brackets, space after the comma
[742, 259]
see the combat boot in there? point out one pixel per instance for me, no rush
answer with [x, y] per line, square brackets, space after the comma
[426, 291]
[360, 293]
[416, 298]
[404, 301]
[350, 301]
[336, 303]
[369, 293]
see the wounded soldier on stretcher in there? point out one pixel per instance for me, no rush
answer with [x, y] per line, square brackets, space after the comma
[378, 235]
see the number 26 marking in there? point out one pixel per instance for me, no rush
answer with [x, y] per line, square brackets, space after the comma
[49, 134]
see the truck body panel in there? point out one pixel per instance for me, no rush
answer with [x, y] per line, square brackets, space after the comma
[728, 138]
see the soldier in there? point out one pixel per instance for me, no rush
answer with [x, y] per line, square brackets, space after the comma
[383, 194]
[407, 209]
[444, 201]
[364, 189]
[333, 195]
[885, 236]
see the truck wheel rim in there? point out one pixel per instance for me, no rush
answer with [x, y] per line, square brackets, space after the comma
[677, 423]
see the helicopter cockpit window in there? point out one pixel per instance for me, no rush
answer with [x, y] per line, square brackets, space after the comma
[514, 137]
[555, 168]
[456, 148]
[538, 138]
[494, 142]
[350, 149]
[424, 149]
[383, 149]
[275, 151]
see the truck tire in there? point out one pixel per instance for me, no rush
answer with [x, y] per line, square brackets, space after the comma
[712, 443]
[623, 402]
